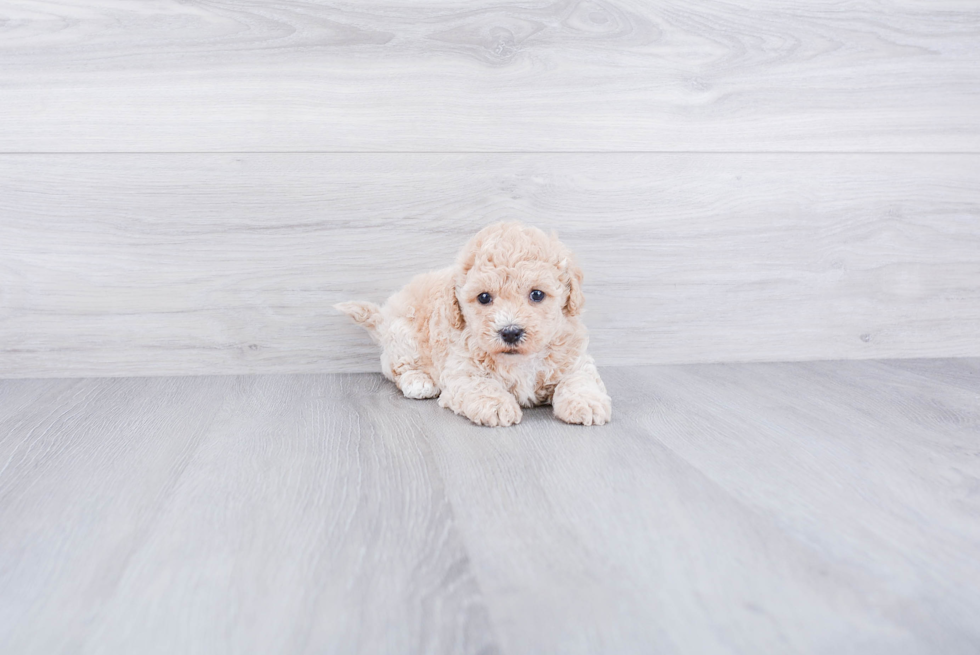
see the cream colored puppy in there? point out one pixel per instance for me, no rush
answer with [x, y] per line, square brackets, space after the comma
[497, 331]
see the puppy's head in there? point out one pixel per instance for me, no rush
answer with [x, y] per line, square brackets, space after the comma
[515, 288]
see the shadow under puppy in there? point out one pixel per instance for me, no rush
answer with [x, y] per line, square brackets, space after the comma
[498, 331]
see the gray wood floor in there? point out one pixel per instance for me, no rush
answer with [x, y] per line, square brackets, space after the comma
[744, 508]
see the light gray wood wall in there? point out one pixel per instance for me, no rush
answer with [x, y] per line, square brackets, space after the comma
[382, 75]
[187, 188]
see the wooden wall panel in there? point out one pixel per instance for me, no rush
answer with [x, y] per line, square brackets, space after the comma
[398, 75]
[224, 263]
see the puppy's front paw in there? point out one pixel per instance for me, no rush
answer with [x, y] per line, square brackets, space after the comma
[494, 411]
[586, 408]
[418, 385]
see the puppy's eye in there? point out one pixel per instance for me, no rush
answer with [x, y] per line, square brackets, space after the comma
[485, 298]
[537, 295]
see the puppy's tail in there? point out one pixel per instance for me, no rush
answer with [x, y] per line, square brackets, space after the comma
[366, 314]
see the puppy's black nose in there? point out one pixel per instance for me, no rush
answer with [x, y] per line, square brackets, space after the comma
[511, 334]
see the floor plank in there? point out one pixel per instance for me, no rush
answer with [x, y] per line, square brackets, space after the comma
[218, 264]
[86, 467]
[806, 508]
[603, 75]
[825, 507]
[307, 518]
[874, 470]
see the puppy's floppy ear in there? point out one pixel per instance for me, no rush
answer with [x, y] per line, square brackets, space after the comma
[455, 313]
[464, 262]
[571, 276]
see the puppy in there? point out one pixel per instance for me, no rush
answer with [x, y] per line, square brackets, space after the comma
[498, 331]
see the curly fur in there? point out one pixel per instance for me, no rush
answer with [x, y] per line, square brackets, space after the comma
[437, 339]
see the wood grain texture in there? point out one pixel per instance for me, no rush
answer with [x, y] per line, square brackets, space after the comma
[823, 507]
[246, 515]
[176, 264]
[799, 508]
[596, 75]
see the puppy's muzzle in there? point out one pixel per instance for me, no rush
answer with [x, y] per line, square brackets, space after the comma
[511, 335]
